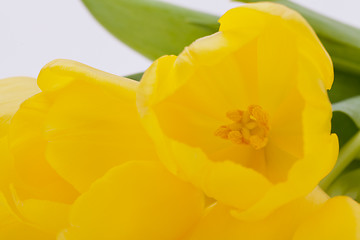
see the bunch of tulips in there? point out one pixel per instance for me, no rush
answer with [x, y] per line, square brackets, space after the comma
[228, 140]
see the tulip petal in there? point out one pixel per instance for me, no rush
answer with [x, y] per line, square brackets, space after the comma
[7, 171]
[257, 17]
[287, 127]
[296, 184]
[50, 217]
[339, 218]
[16, 90]
[13, 91]
[89, 131]
[218, 223]
[276, 78]
[11, 227]
[87, 122]
[215, 178]
[60, 73]
[138, 200]
[38, 178]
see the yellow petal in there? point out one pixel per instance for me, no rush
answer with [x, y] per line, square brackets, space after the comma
[93, 118]
[37, 178]
[7, 171]
[49, 217]
[89, 131]
[61, 72]
[218, 223]
[339, 218]
[297, 184]
[14, 225]
[136, 200]
[214, 178]
[13, 91]
[12, 228]
[255, 17]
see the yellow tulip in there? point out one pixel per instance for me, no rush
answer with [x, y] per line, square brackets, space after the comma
[82, 117]
[83, 123]
[244, 114]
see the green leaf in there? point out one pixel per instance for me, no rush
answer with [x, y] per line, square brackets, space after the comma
[136, 76]
[346, 123]
[347, 183]
[151, 27]
[344, 179]
[343, 126]
[346, 85]
[351, 107]
[347, 154]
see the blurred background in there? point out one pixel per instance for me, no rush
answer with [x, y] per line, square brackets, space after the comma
[38, 31]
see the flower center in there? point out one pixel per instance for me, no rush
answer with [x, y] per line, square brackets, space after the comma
[249, 127]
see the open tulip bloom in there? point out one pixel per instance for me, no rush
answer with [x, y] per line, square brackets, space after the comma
[226, 141]
[245, 112]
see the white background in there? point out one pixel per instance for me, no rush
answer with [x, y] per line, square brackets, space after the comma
[34, 32]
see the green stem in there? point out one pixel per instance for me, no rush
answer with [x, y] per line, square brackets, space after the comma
[346, 155]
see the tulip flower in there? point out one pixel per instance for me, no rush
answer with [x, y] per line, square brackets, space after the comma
[69, 135]
[78, 104]
[244, 114]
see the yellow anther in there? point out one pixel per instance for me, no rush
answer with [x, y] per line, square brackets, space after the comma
[222, 132]
[257, 142]
[235, 115]
[249, 127]
[258, 113]
[235, 137]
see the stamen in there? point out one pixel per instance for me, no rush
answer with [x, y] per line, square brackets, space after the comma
[249, 127]
[235, 115]
[222, 132]
[235, 137]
